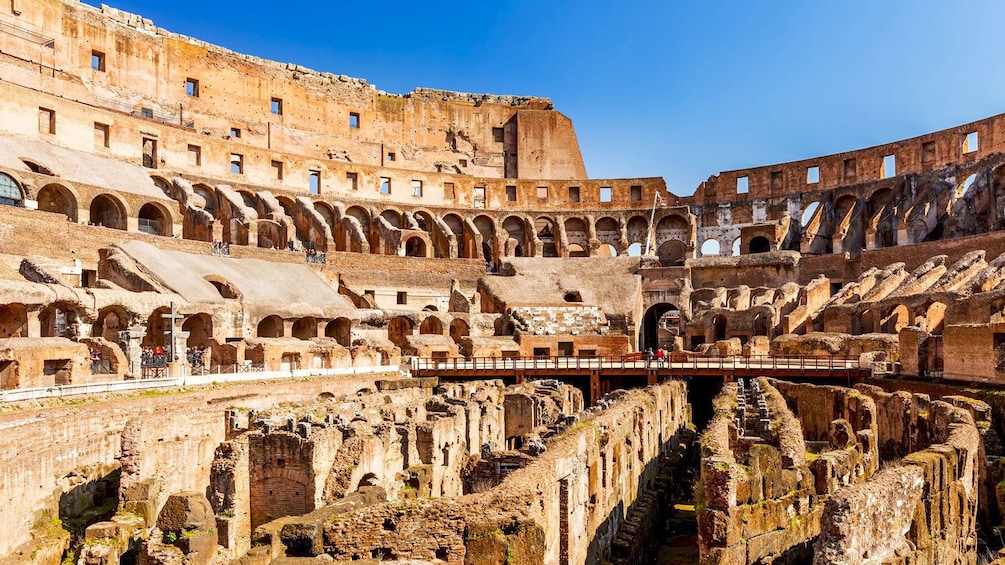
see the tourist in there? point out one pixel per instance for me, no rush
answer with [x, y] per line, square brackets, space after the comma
[660, 354]
[649, 357]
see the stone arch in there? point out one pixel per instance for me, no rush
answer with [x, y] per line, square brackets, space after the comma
[759, 244]
[209, 202]
[431, 325]
[11, 192]
[154, 219]
[305, 328]
[663, 318]
[516, 230]
[577, 233]
[109, 211]
[392, 217]
[110, 321]
[672, 253]
[635, 250]
[249, 198]
[199, 328]
[60, 319]
[710, 248]
[897, 318]
[607, 250]
[277, 493]
[637, 229]
[672, 227]
[158, 328]
[58, 199]
[465, 243]
[546, 232]
[459, 329]
[340, 329]
[487, 228]
[226, 290]
[737, 250]
[415, 246]
[271, 234]
[270, 326]
[399, 329]
[719, 326]
[13, 320]
[762, 325]
[609, 232]
[326, 211]
[576, 250]
[935, 316]
[288, 205]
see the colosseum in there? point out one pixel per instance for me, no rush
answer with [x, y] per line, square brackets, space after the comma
[252, 313]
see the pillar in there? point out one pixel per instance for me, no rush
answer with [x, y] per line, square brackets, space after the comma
[130, 341]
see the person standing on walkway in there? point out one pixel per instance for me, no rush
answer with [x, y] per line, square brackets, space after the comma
[659, 357]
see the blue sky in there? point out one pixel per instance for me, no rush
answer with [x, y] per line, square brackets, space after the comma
[671, 89]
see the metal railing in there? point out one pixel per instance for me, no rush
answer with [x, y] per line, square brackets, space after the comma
[22, 394]
[639, 361]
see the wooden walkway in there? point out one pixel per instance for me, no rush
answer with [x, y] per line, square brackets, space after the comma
[598, 376]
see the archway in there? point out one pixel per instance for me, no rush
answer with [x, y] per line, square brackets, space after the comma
[158, 328]
[515, 227]
[59, 320]
[544, 227]
[759, 244]
[199, 328]
[431, 325]
[608, 231]
[635, 250]
[392, 217]
[10, 191]
[456, 225]
[208, 198]
[898, 318]
[607, 250]
[398, 330]
[935, 317]
[458, 330]
[341, 330]
[271, 326]
[672, 253]
[305, 328]
[709, 248]
[719, 328]
[660, 321]
[154, 221]
[762, 325]
[110, 321]
[415, 247]
[576, 251]
[13, 320]
[59, 200]
[108, 211]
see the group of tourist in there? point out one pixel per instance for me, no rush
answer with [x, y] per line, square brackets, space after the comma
[660, 355]
[312, 255]
[153, 357]
[221, 248]
[194, 355]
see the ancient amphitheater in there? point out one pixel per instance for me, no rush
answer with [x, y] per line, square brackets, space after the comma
[253, 313]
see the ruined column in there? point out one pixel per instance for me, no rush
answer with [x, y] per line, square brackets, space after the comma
[129, 341]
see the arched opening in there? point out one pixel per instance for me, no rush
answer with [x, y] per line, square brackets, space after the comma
[250, 199]
[199, 328]
[660, 325]
[224, 288]
[635, 250]
[759, 244]
[59, 320]
[575, 250]
[110, 321]
[13, 320]
[108, 211]
[577, 235]
[415, 247]
[709, 248]
[486, 228]
[719, 328]
[10, 191]
[57, 199]
[762, 325]
[935, 317]
[158, 328]
[638, 231]
[271, 326]
[672, 253]
[962, 190]
[271, 235]
[398, 330]
[573, 296]
[736, 247]
[305, 328]
[544, 227]
[341, 330]
[289, 207]
[515, 228]
[458, 330]
[432, 326]
[898, 318]
[808, 213]
[154, 221]
[607, 250]
[456, 225]
[208, 198]
[392, 217]
[429, 308]
[609, 232]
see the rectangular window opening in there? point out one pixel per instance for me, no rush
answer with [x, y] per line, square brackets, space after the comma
[850, 168]
[237, 163]
[498, 135]
[573, 194]
[511, 193]
[194, 156]
[417, 188]
[889, 167]
[149, 153]
[776, 180]
[636, 193]
[970, 142]
[235, 133]
[353, 120]
[46, 121]
[742, 185]
[449, 193]
[147, 113]
[606, 194]
[353, 180]
[277, 169]
[812, 175]
[98, 61]
[928, 152]
[385, 185]
[101, 135]
[314, 184]
[390, 157]
[277, 106]
[479, 197]
[192, 87]
[402, 297]
[542, 193]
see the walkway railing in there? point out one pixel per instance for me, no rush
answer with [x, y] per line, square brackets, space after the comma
[21, 394]
[639, 361]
